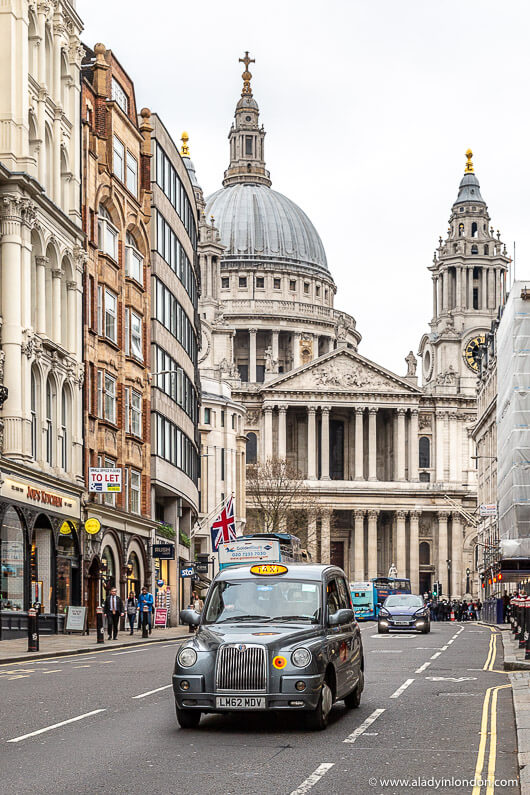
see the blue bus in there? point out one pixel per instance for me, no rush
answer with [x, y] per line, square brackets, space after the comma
[367, 597]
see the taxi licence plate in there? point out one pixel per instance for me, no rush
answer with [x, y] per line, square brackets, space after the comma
[240, 702]
[402, 622]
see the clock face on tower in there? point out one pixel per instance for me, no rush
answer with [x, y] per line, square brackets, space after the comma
[472, 351]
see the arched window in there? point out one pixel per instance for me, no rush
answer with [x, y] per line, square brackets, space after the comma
[425, 553]
[460, 230]
[65, 83]
[424, 453]
[134, 262]
[65, 425]
[107, 234]
[12, 561]
[50, 420]
[252, 448]
[474, 249]
[34, 404]
[486, 249]
[48, 148]
[474, 229]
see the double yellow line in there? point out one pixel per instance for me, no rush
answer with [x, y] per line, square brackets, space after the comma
[492, 652]
[488, 716]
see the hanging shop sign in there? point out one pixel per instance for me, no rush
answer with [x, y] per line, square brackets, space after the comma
[188, 572]
[92, 526]
[104, 480]
[164, 551]
[160, 583]
[65, 529]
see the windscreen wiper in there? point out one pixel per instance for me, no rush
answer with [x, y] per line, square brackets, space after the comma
[240, 618]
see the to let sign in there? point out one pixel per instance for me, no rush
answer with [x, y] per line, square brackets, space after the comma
[164, 551]
[489, 509]
[104, 480]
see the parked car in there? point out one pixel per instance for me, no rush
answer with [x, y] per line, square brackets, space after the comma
[404, 611]
[271, 637]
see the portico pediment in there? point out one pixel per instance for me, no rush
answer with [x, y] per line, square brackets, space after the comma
[342, 370]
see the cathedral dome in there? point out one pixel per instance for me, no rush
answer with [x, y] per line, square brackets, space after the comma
[256, 222]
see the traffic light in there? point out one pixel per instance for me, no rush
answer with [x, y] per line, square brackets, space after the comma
[435, 590]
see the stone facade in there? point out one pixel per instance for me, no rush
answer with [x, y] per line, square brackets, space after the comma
[41, 261]
[387, 461]
[117, 217]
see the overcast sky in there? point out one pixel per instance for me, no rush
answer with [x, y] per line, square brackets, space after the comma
[369, 106]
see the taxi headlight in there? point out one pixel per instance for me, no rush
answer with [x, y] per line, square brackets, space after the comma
[187, 657]
[301, 657]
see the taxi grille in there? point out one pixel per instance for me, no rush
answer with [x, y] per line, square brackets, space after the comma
[401, 618]
[241, 668]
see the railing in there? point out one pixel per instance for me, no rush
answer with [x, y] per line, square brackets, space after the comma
[289, 308]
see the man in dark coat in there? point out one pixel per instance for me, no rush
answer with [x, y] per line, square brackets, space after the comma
[113, 609]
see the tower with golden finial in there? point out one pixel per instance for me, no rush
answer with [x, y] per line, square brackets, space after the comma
[247, 158]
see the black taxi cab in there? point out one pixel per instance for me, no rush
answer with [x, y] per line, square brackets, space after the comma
[271, 637]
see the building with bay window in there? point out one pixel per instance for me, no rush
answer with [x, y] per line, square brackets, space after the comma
[175, 386]
[41, 266]
[116, 192]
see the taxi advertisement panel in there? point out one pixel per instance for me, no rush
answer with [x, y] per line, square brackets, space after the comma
[251, 551]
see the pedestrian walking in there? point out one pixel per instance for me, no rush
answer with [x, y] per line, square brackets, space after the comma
[191, 627]
[113, 609]
[132, 607]
[198, 604]
[146, 598]
[434, 611]
[479, 610]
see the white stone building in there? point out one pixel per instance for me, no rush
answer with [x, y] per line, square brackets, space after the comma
[389, 462]
[41, 262]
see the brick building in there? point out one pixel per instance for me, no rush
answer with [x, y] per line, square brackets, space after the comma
[116, 199]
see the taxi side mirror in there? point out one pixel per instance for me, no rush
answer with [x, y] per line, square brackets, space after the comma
[344, 616]
[190, 617]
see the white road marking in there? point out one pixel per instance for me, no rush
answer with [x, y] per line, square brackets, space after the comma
[437, 654]
[81, 666]
[55, 726]
[362, 728]
[53, 671]
[422, 668]
[451, 678]
[444, 648]
[404, 635]
[450, 641]
[403, 687]
[313, 779]
[150, 692]
[135, 651]
[18, 676]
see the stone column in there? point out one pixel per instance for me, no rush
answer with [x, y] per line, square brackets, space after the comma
[470, 288]
[442, 552]
[372, 443]
[252, 355]
[458, 299]
[491, 289]
[275, 345]
[439, 447]
[446, 290]
[40, 294]
[457, 543]
[497, 287]
[296, 349]
[372, 543]
[56, 305]
[312, 536]
[440, 295]
[434, 297]
[324, 446]
[325, 535]
[10, 247]
[401, 544]
[72, 315]
[282, 432]
[56, 176]
[268, 431]
[415, 551]
[413, 446]
[401, 443]
[359, 439]
[484, 285]
[358, 544]
[453, 446]
[311, 443]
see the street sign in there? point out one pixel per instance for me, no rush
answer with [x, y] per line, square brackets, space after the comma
[75, 619]
[488, 509]
[65, 529]
[189, 572]
[164, 551]
[104, 480]
[92, 526]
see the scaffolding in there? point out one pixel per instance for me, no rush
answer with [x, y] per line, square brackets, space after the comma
[513, 424]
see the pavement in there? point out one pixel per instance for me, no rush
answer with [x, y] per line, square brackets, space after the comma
[514, 660]
[16, 650]
[437, 712]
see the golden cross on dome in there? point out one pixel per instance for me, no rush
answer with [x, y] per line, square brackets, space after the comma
[469, 164]
[246, 74]
[184, 149]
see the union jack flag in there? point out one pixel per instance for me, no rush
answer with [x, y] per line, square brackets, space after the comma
[224, 527]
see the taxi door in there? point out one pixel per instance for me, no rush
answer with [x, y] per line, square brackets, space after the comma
[340, 639]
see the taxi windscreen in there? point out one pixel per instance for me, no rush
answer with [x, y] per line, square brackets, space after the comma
[260, 600]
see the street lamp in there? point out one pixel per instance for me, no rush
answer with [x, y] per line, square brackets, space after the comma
[449, 578]
[468, 572]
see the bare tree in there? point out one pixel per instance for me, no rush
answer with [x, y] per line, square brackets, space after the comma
[279, 498]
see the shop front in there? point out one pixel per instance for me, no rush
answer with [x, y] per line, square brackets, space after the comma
[40, 555]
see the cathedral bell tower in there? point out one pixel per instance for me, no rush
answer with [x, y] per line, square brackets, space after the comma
[469, 283]
[247, 159]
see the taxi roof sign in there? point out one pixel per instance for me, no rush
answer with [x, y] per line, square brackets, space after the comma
[268, 569]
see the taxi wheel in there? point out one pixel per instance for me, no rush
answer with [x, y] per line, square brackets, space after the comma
[188, 718]
[318, 719]
[353, 699]
[382, 630]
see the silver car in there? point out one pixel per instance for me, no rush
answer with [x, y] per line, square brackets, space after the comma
[271, 637]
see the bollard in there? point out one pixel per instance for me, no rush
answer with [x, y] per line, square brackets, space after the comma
[525, 618]
[512, 616]
[518, 618]
[145, 622]
[100, 629]
[33, 630]
[527, 645]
